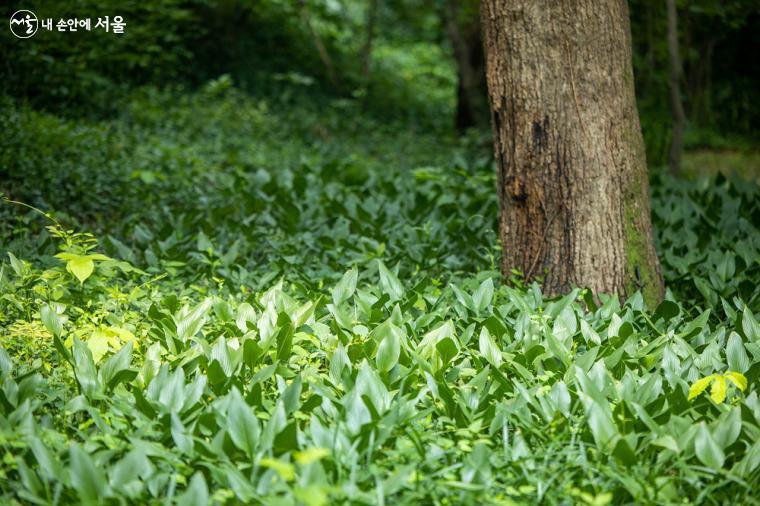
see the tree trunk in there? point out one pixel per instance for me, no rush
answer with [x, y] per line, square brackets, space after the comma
[698, 84]
[463, 29]
[676, 106]
[367, 47]
[572, 175]
[320, 46]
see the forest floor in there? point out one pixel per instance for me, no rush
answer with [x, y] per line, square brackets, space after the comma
[294, 302]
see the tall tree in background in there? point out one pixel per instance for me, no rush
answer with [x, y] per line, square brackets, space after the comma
[462, 23]
[324, 55]
[572, 174]
[676, 106]
[366, 54]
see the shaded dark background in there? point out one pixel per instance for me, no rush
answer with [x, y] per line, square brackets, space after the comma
[270, 48]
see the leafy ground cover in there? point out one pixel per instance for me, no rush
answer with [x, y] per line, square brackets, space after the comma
[282, 306]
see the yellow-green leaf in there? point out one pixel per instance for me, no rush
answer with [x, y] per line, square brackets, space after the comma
[81, 267]
[313, 495]
[310, 455]
[737, 379]
[699, 386]
[118, 336]
[718, 390]
[286, 470]
[98, 345]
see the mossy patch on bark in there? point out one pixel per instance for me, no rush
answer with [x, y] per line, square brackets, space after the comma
[641, 275]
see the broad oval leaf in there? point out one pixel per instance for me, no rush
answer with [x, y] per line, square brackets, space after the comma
[345, 287]
[736, 355]
[86, 477]
[81, 267]
[389, 350]
[708, 451]
[489, 349]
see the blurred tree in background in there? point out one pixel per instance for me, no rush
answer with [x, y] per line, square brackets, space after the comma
[411, 60]
[719, 83]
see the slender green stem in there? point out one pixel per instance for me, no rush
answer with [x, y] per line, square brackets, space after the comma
[43, 213]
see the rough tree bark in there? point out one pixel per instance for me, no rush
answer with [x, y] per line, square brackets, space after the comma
[676, 106]
[463, 29]
[572, 175]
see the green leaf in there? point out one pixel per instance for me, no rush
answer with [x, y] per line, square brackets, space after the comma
[116, 363]
[489, 349]
[390, 282]
[168, 389]
[46, 459]
[390, 348]
[600, 422]
[86, 478]
[291, 397]
[245, 314]
[284, 337]
[708, 452]
[750, 326]
[750, 462]
[180, 436]
[483, 296]
[728, 427]
[589, 334]
[447, 349]
[667, 310]
[51, 320]
[189, 322]
[463, 298]
[345, 287]
[134, 465]
[196, 493]
[338, 362]
[6, 363]
[16, 264]
[736, 355]
[565, 325]
[696, 325]
[84, 368]
[242, 425]
[223, 310]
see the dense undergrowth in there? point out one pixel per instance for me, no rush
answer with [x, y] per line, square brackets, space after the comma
[280, 305]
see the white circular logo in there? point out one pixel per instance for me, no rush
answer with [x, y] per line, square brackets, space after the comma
[24, 24]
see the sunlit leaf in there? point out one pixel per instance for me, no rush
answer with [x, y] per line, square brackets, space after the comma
[699, 386]
[737, 379]
[718, 389]
[285, 470]
[81, 267]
